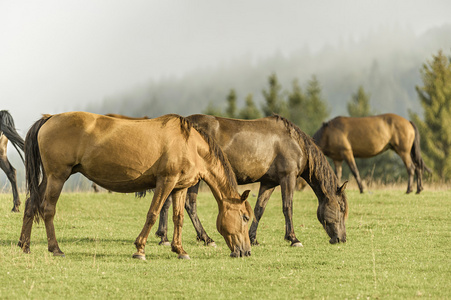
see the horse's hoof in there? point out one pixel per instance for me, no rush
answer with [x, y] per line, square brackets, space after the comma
[255, 243]
[26, 250]
[211, 244]
[140, 256]
[59, 254]
[297, 244]
[166, 243]
[183, 256]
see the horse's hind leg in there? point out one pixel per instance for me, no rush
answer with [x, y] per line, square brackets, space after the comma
[51, 196]
[349, 158]
[419, 173]
[263, 196]
[162, 231]
[191, 209]
[28, 216]
[405, 156]
[10, 172]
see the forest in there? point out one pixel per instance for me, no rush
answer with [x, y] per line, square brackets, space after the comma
[384, 71]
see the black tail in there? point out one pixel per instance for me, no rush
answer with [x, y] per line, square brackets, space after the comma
[415, 152]
[33, 166]
[9, 130]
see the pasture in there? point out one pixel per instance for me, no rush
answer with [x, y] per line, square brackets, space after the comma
[398, 247]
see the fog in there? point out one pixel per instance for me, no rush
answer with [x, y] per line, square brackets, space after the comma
[58, 55]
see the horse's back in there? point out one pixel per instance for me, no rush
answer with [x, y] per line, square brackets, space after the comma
[366, 136]
[110, 151]
[255, 148]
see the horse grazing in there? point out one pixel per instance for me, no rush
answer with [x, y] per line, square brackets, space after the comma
[344, 138]
[8, 132]
[164, 153]
[272, 151]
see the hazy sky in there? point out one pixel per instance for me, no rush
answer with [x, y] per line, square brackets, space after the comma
[56, 55]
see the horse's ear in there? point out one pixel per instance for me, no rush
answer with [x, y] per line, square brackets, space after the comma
[245, 194]
[342, 188]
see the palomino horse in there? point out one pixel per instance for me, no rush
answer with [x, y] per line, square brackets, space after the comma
[164, 153]
[8, 132]
[272, 151]
[344, 138]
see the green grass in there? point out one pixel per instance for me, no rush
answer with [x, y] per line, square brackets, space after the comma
[398, 247]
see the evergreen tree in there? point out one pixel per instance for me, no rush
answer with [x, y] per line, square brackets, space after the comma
[359, 105]
[231, 104]
[296, 102]
[250, 110]
[212, 110]
[435, 130]
[274, 102]
[316, 109]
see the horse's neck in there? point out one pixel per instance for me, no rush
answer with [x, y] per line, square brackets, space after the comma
[221, 187]
[316, 183]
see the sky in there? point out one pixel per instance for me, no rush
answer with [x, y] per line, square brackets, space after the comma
[59, 55]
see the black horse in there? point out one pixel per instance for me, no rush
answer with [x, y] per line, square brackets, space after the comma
[272, 151]
[8, 132]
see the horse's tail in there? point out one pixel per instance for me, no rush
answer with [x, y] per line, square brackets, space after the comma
[9, 130]
[33, 166]
[415, 152]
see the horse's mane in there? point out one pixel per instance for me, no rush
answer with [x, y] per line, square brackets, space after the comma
[215, 150]
[318, 166]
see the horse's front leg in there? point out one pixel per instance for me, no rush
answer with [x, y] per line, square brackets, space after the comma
[287, 185]
[191, 209]
[178, 208]
[264, 193]
[163, 189]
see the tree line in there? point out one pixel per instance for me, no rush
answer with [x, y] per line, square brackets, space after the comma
[307, 108]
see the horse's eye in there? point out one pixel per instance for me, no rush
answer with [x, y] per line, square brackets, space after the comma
[246, 218]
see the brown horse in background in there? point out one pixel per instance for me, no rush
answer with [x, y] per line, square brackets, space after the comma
[8, 132]
[164, 153]
[344, 138]
[272, 151]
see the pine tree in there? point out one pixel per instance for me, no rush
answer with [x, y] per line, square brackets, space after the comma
[359, 105]
[435, 130]
[316, 109]
[296, 102]
[231, 104]
[274, 102]
[250, 110]
[212, 110]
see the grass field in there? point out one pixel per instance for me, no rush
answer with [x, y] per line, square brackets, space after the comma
[398, 247]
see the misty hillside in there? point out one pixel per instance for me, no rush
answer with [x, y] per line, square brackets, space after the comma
[386, 63]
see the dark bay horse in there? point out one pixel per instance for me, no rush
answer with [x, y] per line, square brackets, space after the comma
[164, 153]
[8, 132]
[272, 151]
[344, 138]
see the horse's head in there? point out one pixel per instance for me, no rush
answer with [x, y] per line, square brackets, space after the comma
[332, 215]
[232, 224]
